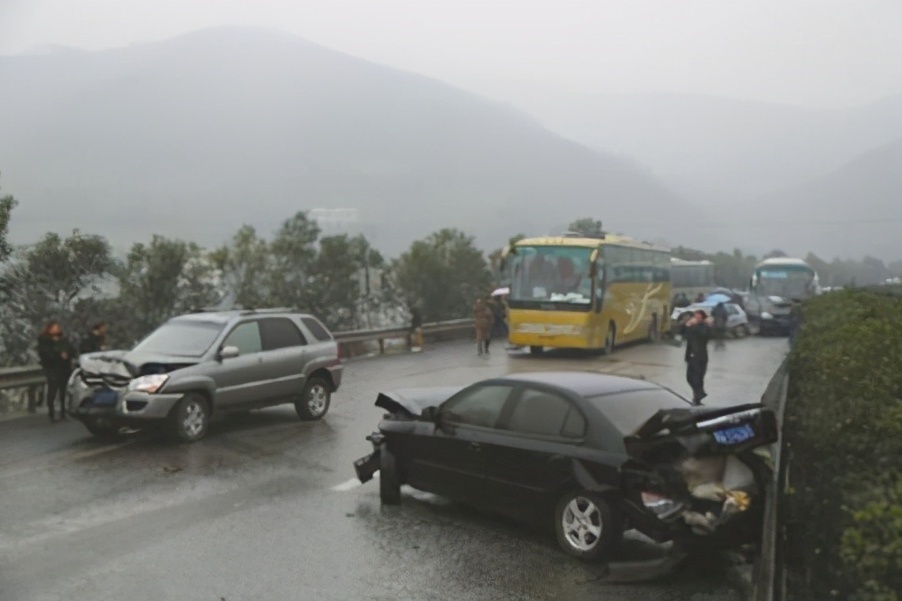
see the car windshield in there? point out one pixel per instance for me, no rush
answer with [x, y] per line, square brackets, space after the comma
[629, 410]
[557, 274]
[182, 338]
[785, 282]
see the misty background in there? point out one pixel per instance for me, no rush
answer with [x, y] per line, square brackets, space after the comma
[714, 125]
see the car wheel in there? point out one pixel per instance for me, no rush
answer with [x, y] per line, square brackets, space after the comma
[587, 525]
[609, 340]
[191, 418]
[389, 478]
[102, 431]
[742, 331]
[315, 399]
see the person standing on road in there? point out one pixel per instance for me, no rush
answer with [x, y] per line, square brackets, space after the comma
[95, 341]
[415, 336]
[697, 332]
[720, 315]
[56, 354]
[483, 319]
[499, 326]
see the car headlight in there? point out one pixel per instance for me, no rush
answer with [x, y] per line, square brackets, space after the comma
[151, 383]
[766, 315]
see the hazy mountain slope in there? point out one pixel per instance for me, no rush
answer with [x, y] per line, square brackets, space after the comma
[194, 136]
[853, 211]
[719, 149]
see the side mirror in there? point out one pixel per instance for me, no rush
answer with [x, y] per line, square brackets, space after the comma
[228, 352]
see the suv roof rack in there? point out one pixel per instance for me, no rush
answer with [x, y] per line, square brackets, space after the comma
[267, 310]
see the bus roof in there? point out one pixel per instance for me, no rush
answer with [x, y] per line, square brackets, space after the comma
[609, 239]
[783, 262]
[683, 262]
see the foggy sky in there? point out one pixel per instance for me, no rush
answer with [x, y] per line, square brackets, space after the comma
[816, 54]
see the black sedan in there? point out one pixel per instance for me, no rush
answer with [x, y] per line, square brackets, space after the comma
[589, 453]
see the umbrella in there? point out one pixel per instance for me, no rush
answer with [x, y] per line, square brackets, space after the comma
[501, 291]
[717, 298]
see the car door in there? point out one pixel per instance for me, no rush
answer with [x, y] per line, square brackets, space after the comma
[449, 460]
[531, 458]
[237, 378]
[284, 348]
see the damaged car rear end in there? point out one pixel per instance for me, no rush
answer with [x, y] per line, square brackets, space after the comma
[590, 454]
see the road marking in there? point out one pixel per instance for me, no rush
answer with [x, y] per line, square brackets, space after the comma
[351, 484]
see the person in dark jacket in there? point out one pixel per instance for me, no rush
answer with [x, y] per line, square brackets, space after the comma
[95, 341]
[499, 325]
[697, 332]
[56, 354]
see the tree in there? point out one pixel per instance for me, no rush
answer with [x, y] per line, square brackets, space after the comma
[46, 281]
[292, 252]
[586, 226]
[244, 269]
[7, 204]
[775, 254]
[444, 273]
[160, 280]
[333, 288]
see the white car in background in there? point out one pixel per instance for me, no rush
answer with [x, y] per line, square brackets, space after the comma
[737, 320]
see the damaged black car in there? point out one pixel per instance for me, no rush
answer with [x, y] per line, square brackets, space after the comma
[589, 454]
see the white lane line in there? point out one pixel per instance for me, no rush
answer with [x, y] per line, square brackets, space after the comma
[350, 484]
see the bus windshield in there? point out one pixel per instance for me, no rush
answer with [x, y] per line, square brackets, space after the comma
[558, 274]
[786, 282]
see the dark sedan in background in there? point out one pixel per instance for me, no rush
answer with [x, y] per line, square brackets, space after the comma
[590, 454]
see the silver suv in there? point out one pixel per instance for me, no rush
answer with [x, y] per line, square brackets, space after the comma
[208, 362]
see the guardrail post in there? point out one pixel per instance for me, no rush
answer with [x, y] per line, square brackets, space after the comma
[32, 393]
[382, 346]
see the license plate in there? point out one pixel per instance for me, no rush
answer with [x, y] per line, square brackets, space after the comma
[733, 436]
[367, 466]
[105, 397]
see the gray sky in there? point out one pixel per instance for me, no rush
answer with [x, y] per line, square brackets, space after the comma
[812, 53]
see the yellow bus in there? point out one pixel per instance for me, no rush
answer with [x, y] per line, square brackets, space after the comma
[572, 291]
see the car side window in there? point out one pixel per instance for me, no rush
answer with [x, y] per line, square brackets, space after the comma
[479, 406]
[246, 337]
[318, 330]
[280, 332]
[545, 413]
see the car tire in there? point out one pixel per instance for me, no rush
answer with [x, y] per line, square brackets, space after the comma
[588, 527]
[315, 399]
[389, 478]
[191, 418]
[741, 331]
[610, 340]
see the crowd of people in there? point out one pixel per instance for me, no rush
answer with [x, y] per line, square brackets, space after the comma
[57, 354]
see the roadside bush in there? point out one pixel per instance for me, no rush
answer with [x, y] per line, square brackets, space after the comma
[844, 431]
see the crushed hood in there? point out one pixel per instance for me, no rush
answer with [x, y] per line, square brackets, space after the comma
[412, 401]
[128, 364]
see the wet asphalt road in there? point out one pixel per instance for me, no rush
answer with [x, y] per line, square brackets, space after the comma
[266, 506]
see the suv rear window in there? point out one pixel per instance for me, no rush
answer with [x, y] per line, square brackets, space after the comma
[318, 330]
[280, 332]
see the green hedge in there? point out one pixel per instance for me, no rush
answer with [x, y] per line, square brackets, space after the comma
[844, 431]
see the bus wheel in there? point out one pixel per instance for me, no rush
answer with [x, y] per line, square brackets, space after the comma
[536, 350]
[609, 340]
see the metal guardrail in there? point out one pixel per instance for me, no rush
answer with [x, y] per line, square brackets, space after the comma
[768, 579]
[31, 376]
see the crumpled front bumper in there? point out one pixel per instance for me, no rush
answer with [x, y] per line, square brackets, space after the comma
[367, 466]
